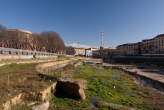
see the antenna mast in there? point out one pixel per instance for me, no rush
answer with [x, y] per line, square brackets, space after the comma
[102, 38]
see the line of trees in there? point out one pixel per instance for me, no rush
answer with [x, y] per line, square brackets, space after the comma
[48, 41]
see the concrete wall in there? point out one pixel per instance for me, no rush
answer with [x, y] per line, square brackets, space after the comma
[159, 60]
[13, 57]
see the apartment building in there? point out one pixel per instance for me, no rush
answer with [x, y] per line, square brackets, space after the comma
[19, 32]
[89, 51]
[109, 52]
[158, 44]
[122, 49]
[96, 53]
[146, 46]
[129, 49]
[80, 51]
[153, 46]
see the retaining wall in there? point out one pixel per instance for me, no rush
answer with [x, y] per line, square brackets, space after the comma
[6, 57]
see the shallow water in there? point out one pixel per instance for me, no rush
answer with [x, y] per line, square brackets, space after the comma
[99, 71]
[115, 75]
[94, 101]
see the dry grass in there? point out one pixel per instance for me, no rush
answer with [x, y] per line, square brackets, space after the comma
[21, 78]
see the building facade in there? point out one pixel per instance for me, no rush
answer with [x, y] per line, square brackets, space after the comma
[110, 52]
[147, 46]
[129, 49]
[80, 51]
[19, 32]
[96, 53]
[89, 51]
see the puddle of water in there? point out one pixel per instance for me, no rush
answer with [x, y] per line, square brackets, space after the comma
[94, 101]
[99, 71]
[88, 63]
[115, 75]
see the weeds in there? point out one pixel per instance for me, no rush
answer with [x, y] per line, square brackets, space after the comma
[21, 78]
[111, 86]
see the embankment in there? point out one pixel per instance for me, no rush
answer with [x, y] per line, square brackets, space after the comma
[45, 94]
[142, 79]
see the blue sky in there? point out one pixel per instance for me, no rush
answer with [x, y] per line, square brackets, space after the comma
[123, 21]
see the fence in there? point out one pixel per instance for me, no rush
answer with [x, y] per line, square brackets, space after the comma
[13, 51]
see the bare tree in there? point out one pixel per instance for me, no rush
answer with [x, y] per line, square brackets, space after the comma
[46, 41]
[54, 42]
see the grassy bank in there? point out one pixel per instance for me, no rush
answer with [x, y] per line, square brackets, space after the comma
[21, 78]
[109, 86]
